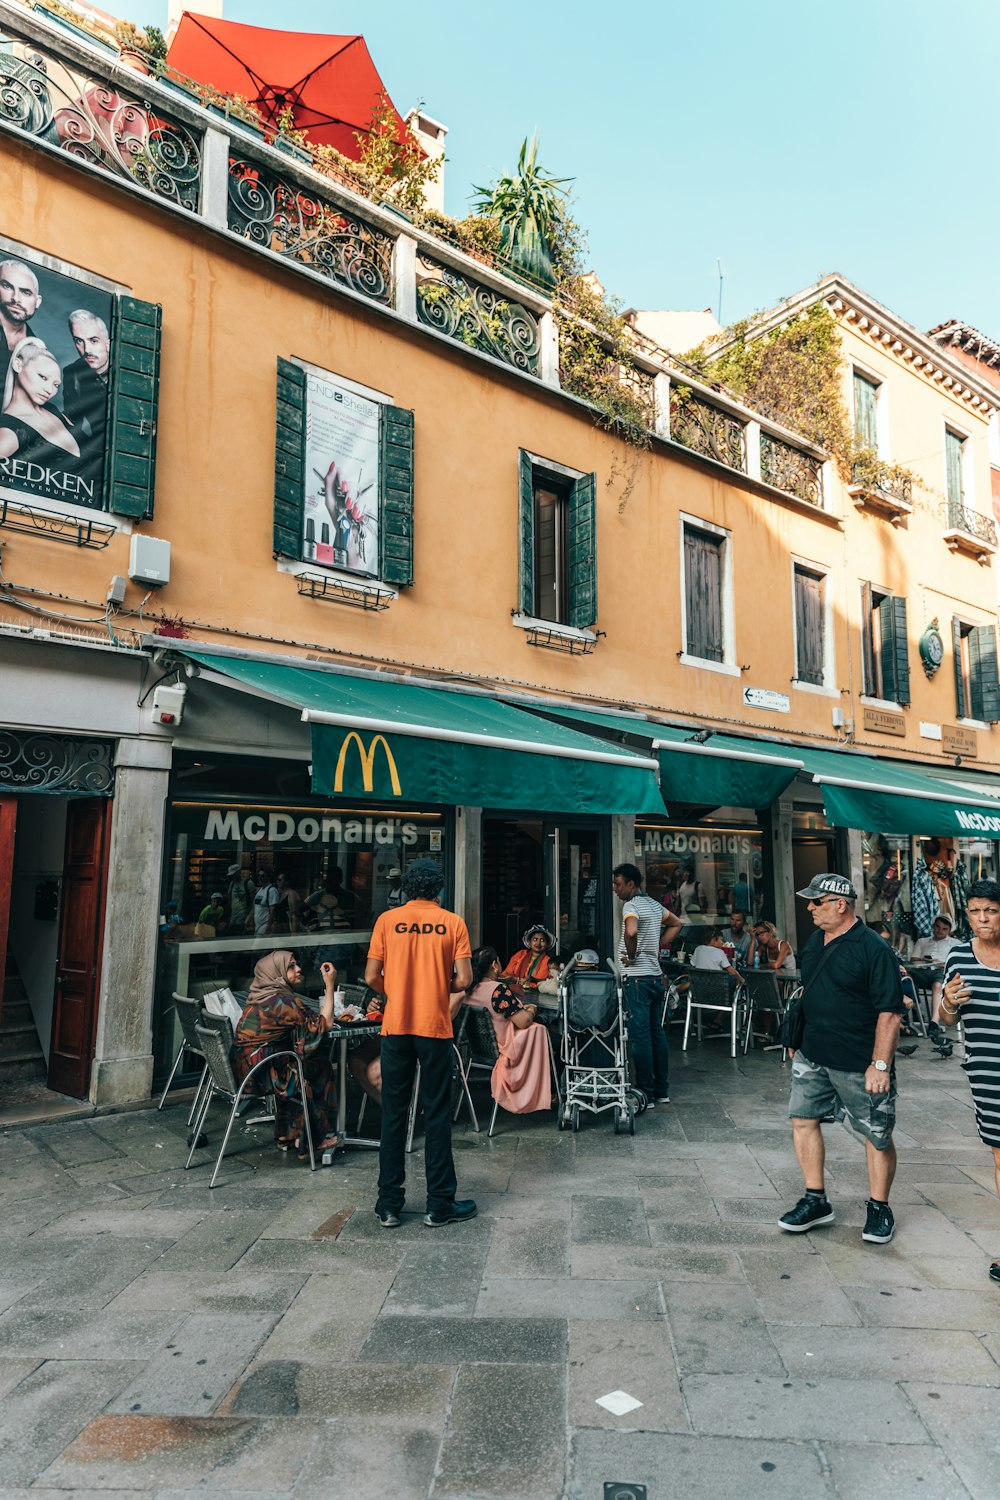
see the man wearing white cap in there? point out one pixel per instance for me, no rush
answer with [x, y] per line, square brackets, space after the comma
[853, 1004]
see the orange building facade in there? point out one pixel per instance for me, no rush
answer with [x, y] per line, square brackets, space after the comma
[310, 564]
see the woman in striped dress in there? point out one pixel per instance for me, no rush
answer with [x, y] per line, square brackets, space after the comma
[972, 992]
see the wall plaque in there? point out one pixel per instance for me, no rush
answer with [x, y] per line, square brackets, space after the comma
[883, 721]
[958, 741]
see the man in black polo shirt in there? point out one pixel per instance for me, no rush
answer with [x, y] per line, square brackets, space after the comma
[853, 1002]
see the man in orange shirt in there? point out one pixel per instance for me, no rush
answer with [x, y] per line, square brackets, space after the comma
[419, 955]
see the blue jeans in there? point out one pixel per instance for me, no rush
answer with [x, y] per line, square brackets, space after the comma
[650, 1053]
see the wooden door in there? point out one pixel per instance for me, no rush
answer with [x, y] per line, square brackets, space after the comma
[81, 929]
[8, 820]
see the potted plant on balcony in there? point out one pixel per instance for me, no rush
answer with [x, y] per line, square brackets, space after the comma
[528, 206]
[133, 47]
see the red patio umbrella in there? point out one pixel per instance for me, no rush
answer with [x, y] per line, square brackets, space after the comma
[330, 82]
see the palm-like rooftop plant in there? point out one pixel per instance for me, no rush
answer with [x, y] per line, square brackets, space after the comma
[527, 206]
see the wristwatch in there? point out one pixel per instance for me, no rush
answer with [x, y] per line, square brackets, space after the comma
[879, 1065]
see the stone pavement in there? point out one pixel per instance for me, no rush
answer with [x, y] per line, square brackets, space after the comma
[270, 1339]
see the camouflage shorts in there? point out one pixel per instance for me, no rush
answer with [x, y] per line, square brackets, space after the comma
[818, 1092]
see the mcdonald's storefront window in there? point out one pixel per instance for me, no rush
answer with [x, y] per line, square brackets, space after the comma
[703, 872]
[308, 875]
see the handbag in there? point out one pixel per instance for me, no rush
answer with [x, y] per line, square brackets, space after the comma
[793, 1023]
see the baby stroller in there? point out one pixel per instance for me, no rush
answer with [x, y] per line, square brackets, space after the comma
[595, 1069]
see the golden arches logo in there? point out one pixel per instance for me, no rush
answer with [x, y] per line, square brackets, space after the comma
[367, 758]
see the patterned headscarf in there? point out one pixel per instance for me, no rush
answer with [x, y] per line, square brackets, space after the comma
[270, 976]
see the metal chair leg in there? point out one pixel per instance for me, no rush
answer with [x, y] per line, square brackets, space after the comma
[196, 1130]
[687, 1026]
[414, 1097]
[197, 1093]
[493, 1117]
[173, 1070]
[465, 1093]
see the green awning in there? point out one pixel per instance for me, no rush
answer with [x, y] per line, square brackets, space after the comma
[383, 740]
[724, 771]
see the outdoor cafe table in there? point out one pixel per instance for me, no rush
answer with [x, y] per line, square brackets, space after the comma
[340, 1036]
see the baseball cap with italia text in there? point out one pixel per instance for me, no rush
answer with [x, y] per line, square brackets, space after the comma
[828, 885]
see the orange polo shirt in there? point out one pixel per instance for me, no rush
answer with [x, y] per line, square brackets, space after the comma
[418, 945]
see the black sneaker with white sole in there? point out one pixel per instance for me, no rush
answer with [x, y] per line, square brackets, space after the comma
[455, 1213]
[880, 1226]
[807, 1214]
[387, 1217]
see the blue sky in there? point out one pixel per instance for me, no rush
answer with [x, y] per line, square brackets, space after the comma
[785, 138]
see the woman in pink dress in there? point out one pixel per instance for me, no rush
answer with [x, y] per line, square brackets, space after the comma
[521, 1080]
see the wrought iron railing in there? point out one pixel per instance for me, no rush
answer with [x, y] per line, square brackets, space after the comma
[707, 429]
[476, 315]
[791, 470]
[89, 117]
[881, 479]
[972, 522]
[279, 214]
[53, 763]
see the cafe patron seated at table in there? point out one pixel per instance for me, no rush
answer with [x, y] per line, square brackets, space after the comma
[276, 1020]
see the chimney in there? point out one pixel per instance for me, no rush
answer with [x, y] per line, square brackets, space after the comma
[430, 133]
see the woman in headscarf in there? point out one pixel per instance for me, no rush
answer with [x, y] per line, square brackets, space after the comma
[276, 1019]
[532, 963]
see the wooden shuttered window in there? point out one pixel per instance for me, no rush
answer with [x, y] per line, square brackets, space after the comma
[983, 683]
[396, 495]
[865, 411]
[885, 646]
[583, 552]
[810, 626]
[557, 545]
[959, 632]
[133, 395]
[703, 594]
[290, 460]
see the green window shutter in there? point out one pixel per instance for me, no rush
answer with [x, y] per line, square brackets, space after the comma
[865, 422]
[983, 673]
[290, 460]
[133, 395]
[525, 535]
[900, 650]
[583, 552]
[395, 432]
[867, 651]
[961, 707]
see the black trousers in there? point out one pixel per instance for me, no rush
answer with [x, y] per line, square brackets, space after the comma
[400, 1055]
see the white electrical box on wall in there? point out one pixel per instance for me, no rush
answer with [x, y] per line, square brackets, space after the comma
[149, 560]
[168, 704]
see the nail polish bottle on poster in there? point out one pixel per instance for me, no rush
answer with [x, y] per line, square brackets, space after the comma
[324, 551]
[309, 549]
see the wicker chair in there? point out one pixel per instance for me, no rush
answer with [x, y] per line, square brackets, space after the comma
[222, 1080]
[764, 996]
[712, 992]
[189, 1012]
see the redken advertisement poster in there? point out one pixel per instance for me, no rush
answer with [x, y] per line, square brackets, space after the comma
[55, 360]
[341, 512]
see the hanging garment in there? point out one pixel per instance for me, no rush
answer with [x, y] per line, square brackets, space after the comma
[960, 900]
[925, 901]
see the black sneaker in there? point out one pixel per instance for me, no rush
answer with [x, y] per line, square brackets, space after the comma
[995, 1271]
[806, 1214]
[455, 1213]
[387, 1218]
[880, 1226]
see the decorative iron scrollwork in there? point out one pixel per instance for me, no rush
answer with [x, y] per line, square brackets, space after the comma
[281, 216]
[51, 763]
[95, 120]
[476, 315]
[791, 470]
[972, 522]
[706, 429]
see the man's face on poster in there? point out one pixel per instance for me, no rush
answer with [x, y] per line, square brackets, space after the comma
[93, 342]
[19, 298]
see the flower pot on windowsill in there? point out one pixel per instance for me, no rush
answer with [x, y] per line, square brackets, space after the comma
[136, 60]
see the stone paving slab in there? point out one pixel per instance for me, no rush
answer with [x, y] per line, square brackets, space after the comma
[753, 1469]
[288, 1388]
[437, 1280]
[453, 1341]
[370, 1459]
[864, 1411]
[562, 1297]
[537, 1246]
[489, 1408]
[926, 1308]
[609, 1356]
[719, 1330]
[664, 1262]
[48, 1408]
[887, 1354]
[790, 1285]
[193, 1372]
[68, 1333]
[235, 1291]
[91, 1272]
[963, 1422]
[910, 1471]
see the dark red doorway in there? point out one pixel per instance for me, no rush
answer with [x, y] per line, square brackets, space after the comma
[81, 932]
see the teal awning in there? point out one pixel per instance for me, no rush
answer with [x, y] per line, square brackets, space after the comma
[725, 771]
[383, 740]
